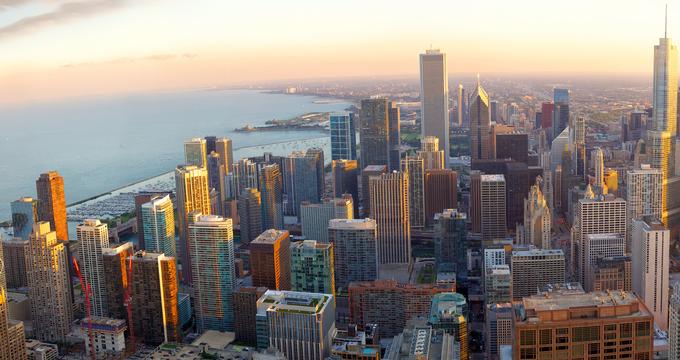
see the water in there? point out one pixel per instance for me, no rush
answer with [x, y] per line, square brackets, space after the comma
[101, 144]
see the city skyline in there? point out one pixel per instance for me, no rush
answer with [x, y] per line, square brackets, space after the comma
[45, 60]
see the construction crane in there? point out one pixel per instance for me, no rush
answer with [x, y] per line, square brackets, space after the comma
[128, 302]
[88, 311]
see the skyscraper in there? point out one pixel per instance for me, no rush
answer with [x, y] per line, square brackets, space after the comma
[433, 158]
[195, 152]
[271, 185]
[216, 176]
[390, 209]
[52, 202]
[460, 104]
[448, 312]
[300, 179]
[413, 166]
[546, 116]
[343, 136]
[224, 149]
[24, 215]
[193, 194]
[354, 250]
[117, 278]
[374, 132]
[513, 145]
[665, 87]
[598, 160]
[497, 284]
[434, 98]
[12, 346]
[498, 328]
[211, 240]
[312, 267]
[48, 285]
[250, 214]
[93, 237]
[394, 136]
[537, 219]
[450, 239]
[314, 218]
[345, 180]
[560, 111]
[366, 174]
[243, 175]
[158, 226]
[270, 260]
[610, 273]
[14, 256]
[533, 269]
[245, 313]
[492, 206]
[651, 263]
[480, 126]
[441, 192]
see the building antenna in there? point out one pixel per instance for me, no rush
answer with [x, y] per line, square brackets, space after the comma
[665, 23]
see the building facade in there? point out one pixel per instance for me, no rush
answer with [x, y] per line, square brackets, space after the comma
[24, 215]
[533, 269]
[250, 214]
[312, 268]
[343, 136]
[93, 237]
[434, 98]
[355, 253]
[390, 209]
[270, 260]
[314, 218]
[52, 202]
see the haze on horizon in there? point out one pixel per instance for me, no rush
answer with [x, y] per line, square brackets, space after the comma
[66, 48]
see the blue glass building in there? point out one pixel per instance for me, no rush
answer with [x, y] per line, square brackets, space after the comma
[24, 215]
[343, 136]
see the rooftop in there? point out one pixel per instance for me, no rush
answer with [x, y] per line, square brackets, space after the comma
[292, 301]
[270, 236]
[450, 214]
[352, 224]
[538, 252]
[215, 339]
[492, 177]
[376, 168]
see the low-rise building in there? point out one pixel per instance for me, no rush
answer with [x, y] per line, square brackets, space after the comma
[108, 335]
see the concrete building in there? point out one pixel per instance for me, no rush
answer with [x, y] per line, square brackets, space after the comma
[441, 192]
[433, 158]
[93, 237]
[211, 243]
[52, 202]
[196, 152]
[245, 311]
[450, 239]
[116, 278]
[270, 260]
[492, 202]
[513, 145]
[243, 175]
[597, 156]
[498, 284]
[414, 168]
[596, 246]
[24, 215]
[271, 190]
[345, 180]
[533, 269]
[567, 325]
[11, 331]
[644, 193]
[448, 312]
[300, 325]
[366, 174]
[651, 263]
[250, 214]
[158, 226]
[343, 136]
[354, 250]
[48, 280]
[108, 335]
[434, 98]
[14, 256]
[37, 350]
[312, 267]
[537, 219]
[499, 328]
[480, 125]
[390, 209]
[610, 273]
[314, 218]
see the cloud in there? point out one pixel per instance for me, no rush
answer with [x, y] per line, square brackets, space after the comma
[127, 60]
[65, 12]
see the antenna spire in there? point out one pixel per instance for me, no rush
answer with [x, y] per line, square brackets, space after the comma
[665, 23]
[478, 82]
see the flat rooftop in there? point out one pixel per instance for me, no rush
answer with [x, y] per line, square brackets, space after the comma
[269, 236]
[215, 339]
[292, 301]
[492, 177]
[538, 252]
[352, 224]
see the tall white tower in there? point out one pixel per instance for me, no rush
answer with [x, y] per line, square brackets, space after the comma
[434, 98]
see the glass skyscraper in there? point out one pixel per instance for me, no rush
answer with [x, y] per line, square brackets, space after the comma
[24, 215]
[158, 221]
[343, 136]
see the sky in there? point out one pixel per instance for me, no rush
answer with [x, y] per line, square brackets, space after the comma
[51, 49]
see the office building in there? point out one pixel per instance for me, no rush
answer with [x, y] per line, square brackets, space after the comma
[366, 174]
[158, 226]
[433, 158]
[93, 237]
[24, 215]
[14, 257]
[354, 344]
[674, 323]
[499, 327]
[223, 147]
[665, 93]
[48, 280]
[11, 332]
[419, 340]
[271, 191]
[651, 263]
[610, 273]
[414, 168]
[598, 160]
[108, 335]
[537, 219]
[497, 284]
[117, 274]
[374, 132]
[633, 125]
[314, 218]
[390, 210]
[250, 214]
[570, 324]
[354, 250]
[450, 239]
[154, 298]
[245, 311]
[301, 181]
[343, 136]
[142, 198]
[394, 132]
[547, 109]
[311, 267]
[560, 111]
[492, 206]
[644, 192]
[216, 182]
[434, 97]
[52, 202]
[299, 324]
[390, 304]
[193, 194]
[513, 145]
[448, 312]
[533, 269]
[243, 175]
[270, 260]
[211, 243]
[480, 127]
[345, 180]
[196, 153]
[441, 192]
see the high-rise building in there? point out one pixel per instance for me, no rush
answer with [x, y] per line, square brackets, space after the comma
[52, 202]
[651, 263]
[367, 173]
[390, 304]
[345, 180]
[665, 93]
[271, 190]
[374, 132]
[299, 324]
[475, 207]
[633, 125]
[158, 226]
[154, 298]
[433, 158]
[354, 250]
[12, 337]
[250, 214]
[216, 183]
[419, 340]
[610, 273]
[270, 260]
[14, 256]
[434, 97]
[193, 194]
[93, 237]
[546, 115]
[224, 149]
[644, 192]
[533, 269]
[394, 136]
[245, 312]
[450, 239]
[674, 324]
[343, 136]
[596, 246]
[390, 209]
[492, 206]
[414, 168]
[460, 105]
[537, 219]
[312, 267]
[441, 192]
[117, 278]
[314, 218]
[513, 145]
[48, 285]
[24, 215]
[598, 159]
[560, 112]
[480, 127]
[300, 182]
[211, 240]
[210, 144]
[243, 175]
[498, 328]
[569, 324]
[497, 284]
[448, 312]
[195, 152]
[141, 199]
[659, 147]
